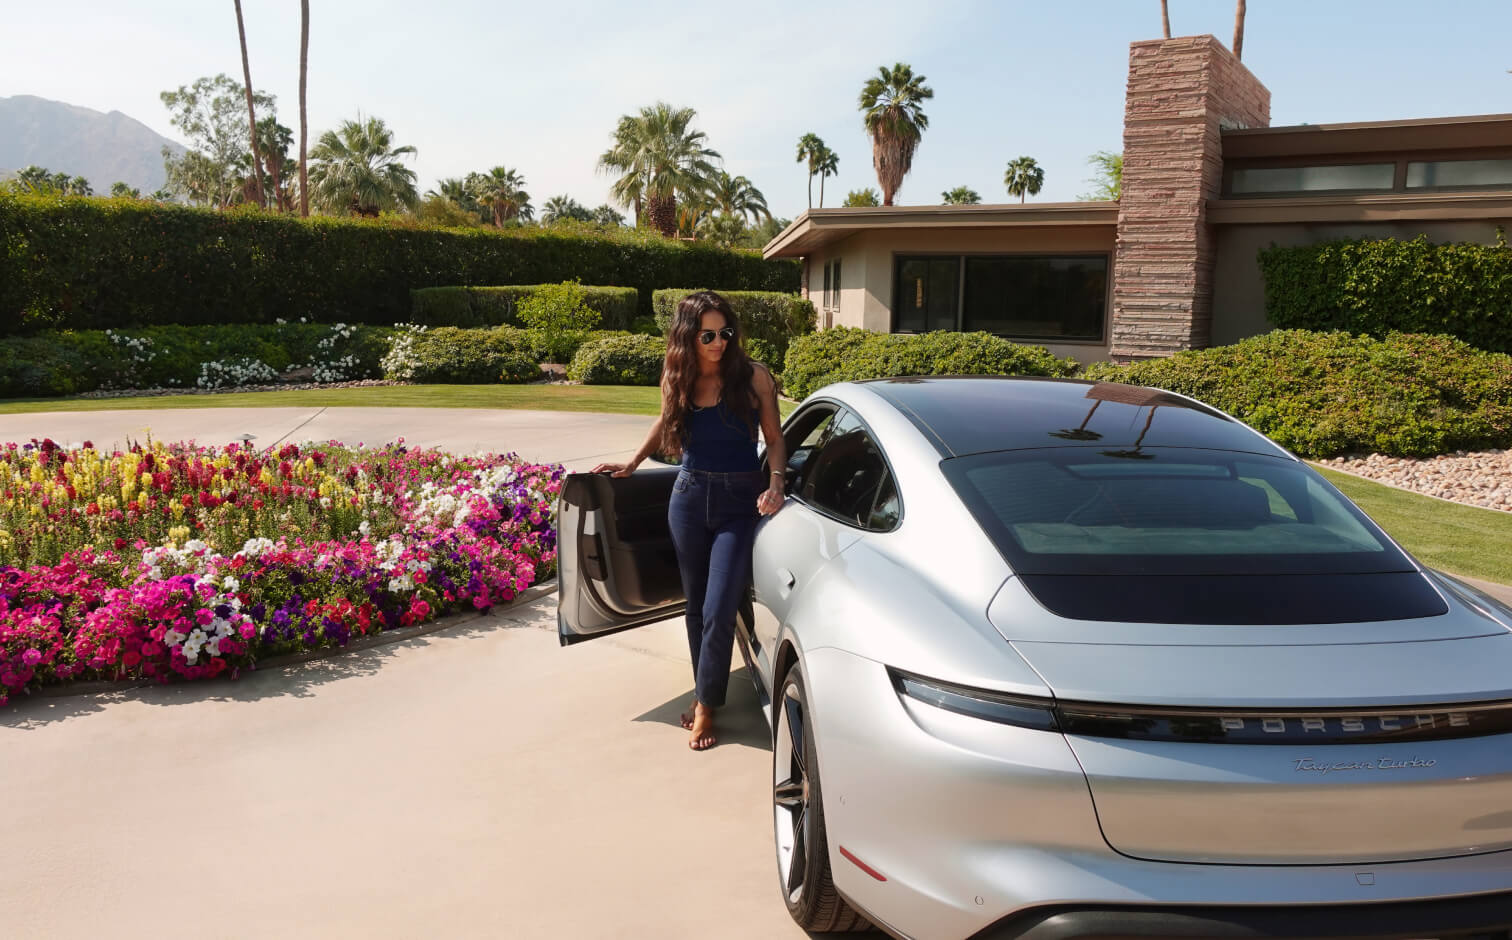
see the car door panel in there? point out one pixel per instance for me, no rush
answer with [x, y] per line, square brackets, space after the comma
[617, 567]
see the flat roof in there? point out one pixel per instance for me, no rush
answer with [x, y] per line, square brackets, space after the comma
[818, 227]
[1470, 131]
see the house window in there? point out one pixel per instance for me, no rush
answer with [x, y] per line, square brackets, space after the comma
[1041, 297]
[826, 285]
[926, 293]
[835, 281]
[1270, 181]
[1468, 173]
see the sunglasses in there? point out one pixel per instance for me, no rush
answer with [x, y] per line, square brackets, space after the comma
[707, 336]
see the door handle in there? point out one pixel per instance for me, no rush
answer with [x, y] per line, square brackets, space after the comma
[787, 579]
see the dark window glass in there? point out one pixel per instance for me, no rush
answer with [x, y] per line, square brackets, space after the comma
[836, 304]
[826, 284]
[1308, 179]
[848, 474]
[1040, 297]
[804, 435]
[925, 295]
[1484, 173]
[1166, 511]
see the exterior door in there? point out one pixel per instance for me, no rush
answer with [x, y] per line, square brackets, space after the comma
[616, 567]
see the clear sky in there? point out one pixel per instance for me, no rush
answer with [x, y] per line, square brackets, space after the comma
[539, 86]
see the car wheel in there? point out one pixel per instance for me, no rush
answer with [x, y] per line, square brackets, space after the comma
[803, 867]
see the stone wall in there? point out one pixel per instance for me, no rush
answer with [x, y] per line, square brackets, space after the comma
[1181, 94]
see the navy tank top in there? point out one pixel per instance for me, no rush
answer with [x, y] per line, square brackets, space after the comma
[718, 442]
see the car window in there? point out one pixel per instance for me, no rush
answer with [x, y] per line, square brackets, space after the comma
[1076, 510]
[804, 435]
[849, 478]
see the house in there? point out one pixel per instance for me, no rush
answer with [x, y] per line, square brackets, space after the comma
[1172, 265]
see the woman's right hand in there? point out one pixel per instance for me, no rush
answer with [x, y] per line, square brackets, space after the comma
[616, 469]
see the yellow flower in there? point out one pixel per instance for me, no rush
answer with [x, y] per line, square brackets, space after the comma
[146, 480]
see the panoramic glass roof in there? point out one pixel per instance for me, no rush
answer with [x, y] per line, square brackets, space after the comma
[975, 414]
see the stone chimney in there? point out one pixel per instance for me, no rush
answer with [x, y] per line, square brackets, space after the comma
[1181, 93]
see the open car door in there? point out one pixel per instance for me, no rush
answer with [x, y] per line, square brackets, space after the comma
[616, 567]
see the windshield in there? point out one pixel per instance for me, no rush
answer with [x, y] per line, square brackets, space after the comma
[1081, 510]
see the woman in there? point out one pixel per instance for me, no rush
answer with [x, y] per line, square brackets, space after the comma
[713, 400]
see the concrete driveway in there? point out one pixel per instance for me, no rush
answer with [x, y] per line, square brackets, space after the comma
[476, 782]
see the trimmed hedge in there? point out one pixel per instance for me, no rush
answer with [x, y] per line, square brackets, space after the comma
[770, 316]
[1377, 286]
[1324, 394]
[619, 360]
[452, 354]
[495, 306]
[847, 353]
[69, 362]
[93, 263]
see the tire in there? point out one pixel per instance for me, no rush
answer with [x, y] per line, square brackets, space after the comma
[803, 866]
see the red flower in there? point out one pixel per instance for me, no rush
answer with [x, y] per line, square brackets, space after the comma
[93, 509]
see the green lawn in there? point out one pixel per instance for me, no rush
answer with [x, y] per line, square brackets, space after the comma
[1462, 539]
[614, 399]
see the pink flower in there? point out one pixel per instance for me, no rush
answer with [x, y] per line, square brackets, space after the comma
[31, 657]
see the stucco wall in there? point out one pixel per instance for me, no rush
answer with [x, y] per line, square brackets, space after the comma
[1239, 290]
[866, 268]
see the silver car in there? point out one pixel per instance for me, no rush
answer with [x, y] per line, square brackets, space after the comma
[1048, 658]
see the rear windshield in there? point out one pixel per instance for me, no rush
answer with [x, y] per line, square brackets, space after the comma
[1081, 510]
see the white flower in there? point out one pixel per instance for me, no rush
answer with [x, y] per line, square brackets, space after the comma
[173, 637]
[231, 584]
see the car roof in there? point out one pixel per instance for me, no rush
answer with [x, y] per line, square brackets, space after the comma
[971, 414]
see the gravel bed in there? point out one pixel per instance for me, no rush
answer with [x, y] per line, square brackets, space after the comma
[276, 387]
[1476, 478]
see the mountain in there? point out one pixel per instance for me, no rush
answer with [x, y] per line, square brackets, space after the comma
[66, 138]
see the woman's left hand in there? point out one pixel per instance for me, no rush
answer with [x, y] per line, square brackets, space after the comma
[769, 501]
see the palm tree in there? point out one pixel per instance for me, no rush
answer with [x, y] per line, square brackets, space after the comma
[272, 142]
[810, 148]
[961, 196]
[1023, 176]
[1165, 18]
[358, 170]
[605, 215]
[893, 114]
[119, 189]
[829, 165]
[564, 209]
[735, 195]
[304, 126]
[241, 32]
[502, 191]
[1239, 30]
[658, 156]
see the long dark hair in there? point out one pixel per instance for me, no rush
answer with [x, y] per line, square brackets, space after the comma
[680, 370]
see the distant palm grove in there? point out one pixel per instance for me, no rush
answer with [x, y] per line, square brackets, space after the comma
[662, 170]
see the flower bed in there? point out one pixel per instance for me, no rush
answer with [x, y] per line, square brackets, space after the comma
[175, 561]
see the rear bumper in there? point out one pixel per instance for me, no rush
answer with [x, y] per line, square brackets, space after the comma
[1482, 916]
[988, 830]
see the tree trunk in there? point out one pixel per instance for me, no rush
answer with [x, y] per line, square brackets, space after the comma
[811, 189]
[1165, 18]
[821, 190]
[278, 202]
[304, 126]
[1239, 30]
[241, 32]
[663, 214]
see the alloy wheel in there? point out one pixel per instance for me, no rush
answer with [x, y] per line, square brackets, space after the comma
[790, 794]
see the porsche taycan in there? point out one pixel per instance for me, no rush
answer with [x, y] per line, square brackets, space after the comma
[1050, 658]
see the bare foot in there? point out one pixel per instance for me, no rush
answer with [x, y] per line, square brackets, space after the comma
[702, 737]
[687, 716]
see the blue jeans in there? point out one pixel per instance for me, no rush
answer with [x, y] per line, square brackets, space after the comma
[713, 521]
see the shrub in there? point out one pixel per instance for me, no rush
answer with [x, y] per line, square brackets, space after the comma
[1323, 394]
[844, 354]
[94, 263]
[69, 362]
[558, 313]
[769, 316]
[497, 306]
[1377, 286]
[619, 360]
[451, 354]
